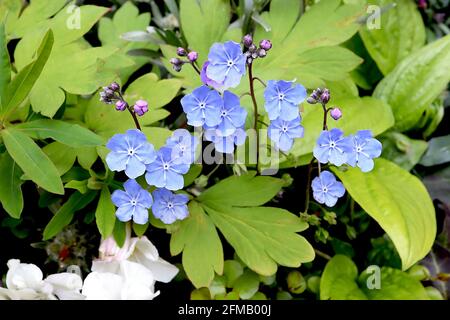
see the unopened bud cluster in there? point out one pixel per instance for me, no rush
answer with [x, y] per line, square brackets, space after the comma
[253, 52]
[323, 96]
[112, 95]
[178, 63]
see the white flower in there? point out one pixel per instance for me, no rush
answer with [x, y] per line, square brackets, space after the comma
[127, 273]
[24, 281]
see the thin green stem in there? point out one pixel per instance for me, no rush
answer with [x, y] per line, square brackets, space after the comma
[132, 113]
[195, 67]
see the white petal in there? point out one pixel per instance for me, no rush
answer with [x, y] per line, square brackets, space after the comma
[103, 286]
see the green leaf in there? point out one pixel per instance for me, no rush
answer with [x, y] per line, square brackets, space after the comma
[120, 233]
[11, 186]
[232, 270]
[140, 229]
[438, 151]
[338, 281]
[5, 65]
[62, 156]
[242, 191]
[80, 186]
[247, 284]
[358, 114]
[20, 87]
[69, 134]
[202, 250]
[86, 157]
[402, 32]
[204, 22]
[106, 121]
[32, 160]
[156, 92]
[399, 202]
[64, 216]
[402, 150]
[416, 82]
[260, 236]
[192, 174]
[105, 215]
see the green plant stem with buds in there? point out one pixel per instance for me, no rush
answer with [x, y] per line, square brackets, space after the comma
[133, 114]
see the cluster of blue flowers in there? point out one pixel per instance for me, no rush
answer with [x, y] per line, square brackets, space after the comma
[164, 169]
[282, 99]
[214, 108]
[333, 147]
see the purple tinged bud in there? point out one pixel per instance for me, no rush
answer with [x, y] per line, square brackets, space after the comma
[265, 44]
[140, 107]
[336, 113]
[121, 105]
[247, 40]
[311, 100]
[114, 86]
[177, 67]
[181, 52]
[325, 96]
[192, 56]
[252, 48]
[176, 61]
[261, 53]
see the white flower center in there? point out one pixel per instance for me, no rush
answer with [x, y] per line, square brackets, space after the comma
[130, 152]
[224, 113]
[284, 129]
[230, 63]
[133, 202]
[170, 205]
[358, 149]
[332, 144]
[325, 189]
[281, 96]
[166, 166]
[182, 148]
[202, 105]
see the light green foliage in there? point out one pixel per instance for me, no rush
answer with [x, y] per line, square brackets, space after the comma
[400, 33]
[340, 281]
[202, 250]
[416, 82]
[358, 114]
[399, 202]
[105, 216]
[258, 234]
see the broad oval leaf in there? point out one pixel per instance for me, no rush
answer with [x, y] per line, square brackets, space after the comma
[399, 202]
[416, 82]
[69, 134]
[32, 160]
[243, 191]
[401, 33]
[10, 186]
[438, 151]
[202, 250]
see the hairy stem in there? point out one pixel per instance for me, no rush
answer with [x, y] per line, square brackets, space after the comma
[255, 111]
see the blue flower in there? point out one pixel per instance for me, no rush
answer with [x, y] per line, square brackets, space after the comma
[169, 207]
[130, 152]
[364, 149]
[326, 189]
[134, 202]
[284, 132]
[183, 146]
[282, 99]
[202, 106]
[164, 172]
[332, 147]
[225, 144]
[232, 115]
[226, 65]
